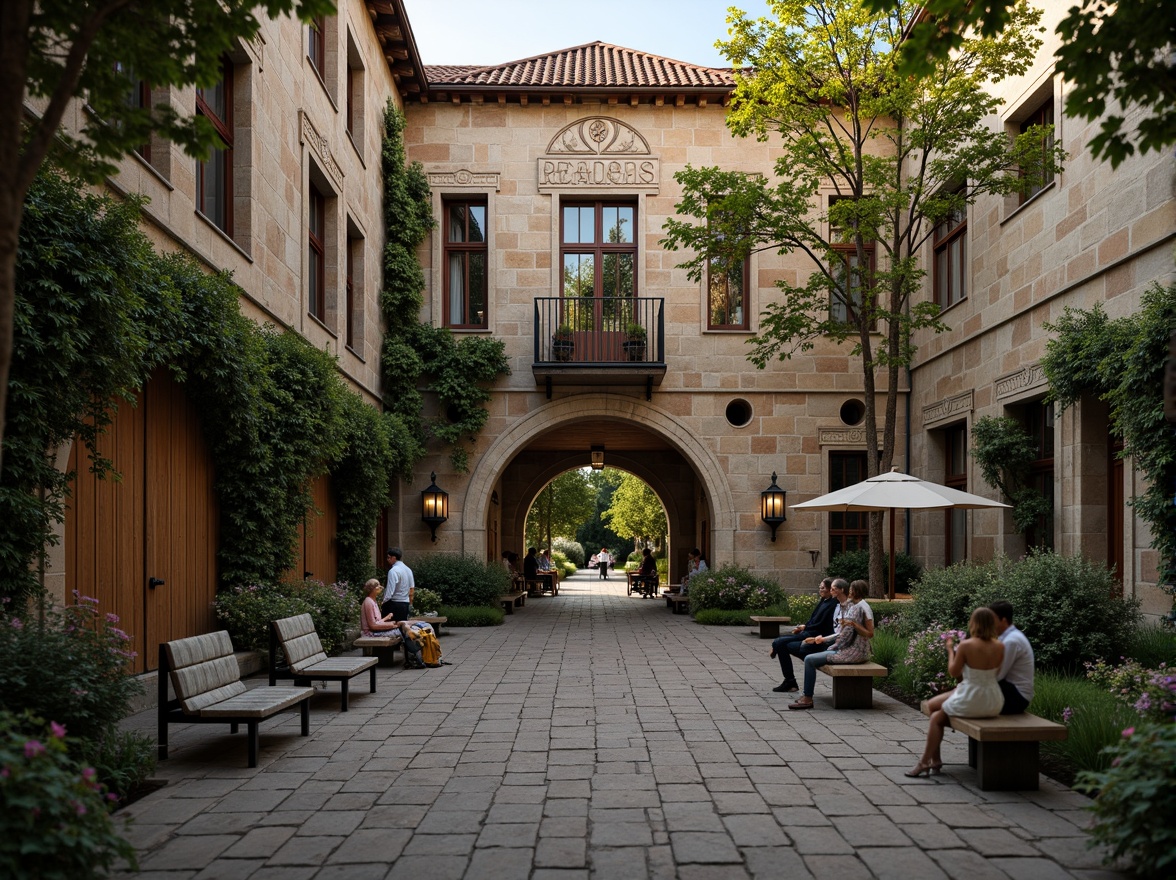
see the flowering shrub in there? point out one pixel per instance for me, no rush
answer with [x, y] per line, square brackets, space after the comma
[1135, 799]
[425, 600]
[732, 588]
[800, 607]
[1150, 692]
[246, 612]
[53, 818]
[926, 661]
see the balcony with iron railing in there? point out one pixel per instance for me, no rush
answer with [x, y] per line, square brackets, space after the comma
[599, 341]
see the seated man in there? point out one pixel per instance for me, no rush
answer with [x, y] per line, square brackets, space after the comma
[821, 622]
[647, 573]
[1015, 675]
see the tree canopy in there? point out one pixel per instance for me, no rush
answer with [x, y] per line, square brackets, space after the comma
[636, 512]
[870, 162]
[566, 503]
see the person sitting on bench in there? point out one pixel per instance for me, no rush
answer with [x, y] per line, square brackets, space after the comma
[371, 623]
[647, 574]
[820, 623]
[1016, 669]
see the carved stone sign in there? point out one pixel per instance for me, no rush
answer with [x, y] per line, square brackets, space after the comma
[599, 152]
[308, 134]
[1025, 379]
[465, 177]
[947, 408]
[844, 437]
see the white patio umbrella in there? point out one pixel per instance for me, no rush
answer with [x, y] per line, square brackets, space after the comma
[895, 490]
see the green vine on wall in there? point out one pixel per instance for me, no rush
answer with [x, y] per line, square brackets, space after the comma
[416, 355]
[1005, 452]
[1121, 361]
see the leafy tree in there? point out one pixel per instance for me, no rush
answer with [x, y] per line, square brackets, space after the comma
[1005, 452]
[594, 534]
[562, 507]
[1121, 51]
[871, 161]
[636, 512]
[55, 51]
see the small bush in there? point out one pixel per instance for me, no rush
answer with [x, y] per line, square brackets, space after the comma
[801, 606]
[888, 648]
[425, 600]
[732, 588]
[926, 662]
[1066, 605]
[573, 550]
[1136, 799]
[1153, 645]
[854, 565]
[1150, 692]
[472, 615]
[718, 617]
[246, 612]
[1093, 718]
[54, 823]
[462, 580]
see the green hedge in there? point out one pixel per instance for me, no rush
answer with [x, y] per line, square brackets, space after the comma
[477, 615]
[733, 588]
[718, 617]
[246, 612]
[854, 565]
[461, 580]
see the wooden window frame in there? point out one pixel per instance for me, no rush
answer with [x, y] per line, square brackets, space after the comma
[1043, 114]
[316, 45]
[349, 319]
[955, 476]
[1038, 420]
[950, 232]
[598, 247]
[848, 530]
[724, 294]
[845, 251]
[465, 249]
[224, 130]
[317, 254]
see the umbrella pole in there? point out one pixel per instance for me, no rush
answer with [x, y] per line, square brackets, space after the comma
[892, 554]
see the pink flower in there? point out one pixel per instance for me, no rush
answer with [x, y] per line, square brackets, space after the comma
[111, 617]
[89, 773]
[58, 730]
[1127, 733]
[80, 807]
[32, 748]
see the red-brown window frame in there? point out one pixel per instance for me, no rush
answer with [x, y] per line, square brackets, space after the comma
[317, 251]
[947, 234]
[956, 477]
[849, 530]
[598, 246]
[845, 251]
[466, 248]
[224, 129]
[725, 282]
[349, 324]
[1043, 115]
[316, 45]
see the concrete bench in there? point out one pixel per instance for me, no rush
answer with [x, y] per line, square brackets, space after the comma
[383, 648]
[306, 660]
[769, 627]
[853, 683]
[512, 600]
[677, 603]
[206, 680]
[1004, 751]
[434, 622]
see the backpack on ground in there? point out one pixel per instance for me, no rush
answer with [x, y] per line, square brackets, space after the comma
[428, 649]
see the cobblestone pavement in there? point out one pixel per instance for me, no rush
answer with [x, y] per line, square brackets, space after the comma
[594, 734]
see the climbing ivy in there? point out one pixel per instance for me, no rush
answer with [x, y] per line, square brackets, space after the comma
[416, 355]
[1005, 452]
[1121, 361]
[362, 476]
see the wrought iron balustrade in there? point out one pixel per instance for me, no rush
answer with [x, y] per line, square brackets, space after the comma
[597, 331]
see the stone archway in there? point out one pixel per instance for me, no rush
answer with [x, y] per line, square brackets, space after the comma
[701, 461]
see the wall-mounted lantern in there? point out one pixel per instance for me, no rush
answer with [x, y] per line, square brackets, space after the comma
[597, 458]
[772, 506]
[434, 505]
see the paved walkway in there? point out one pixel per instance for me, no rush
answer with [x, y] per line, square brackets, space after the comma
[593, 735]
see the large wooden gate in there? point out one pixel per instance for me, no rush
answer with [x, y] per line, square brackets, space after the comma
[145, 545]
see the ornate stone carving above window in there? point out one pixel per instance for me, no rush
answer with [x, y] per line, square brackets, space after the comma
[465, 177]
[596, 152]
[310, 135]
[844, 437]
[1024, 382]
[949, 408]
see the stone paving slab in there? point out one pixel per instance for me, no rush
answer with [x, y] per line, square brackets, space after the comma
[593, 735]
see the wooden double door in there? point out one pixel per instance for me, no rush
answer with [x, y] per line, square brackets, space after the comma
[144, 545]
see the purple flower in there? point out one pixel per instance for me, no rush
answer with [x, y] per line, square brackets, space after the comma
[32, 748]
[58, 730]
[111, 617]
[1127, 733]
[1067, 714]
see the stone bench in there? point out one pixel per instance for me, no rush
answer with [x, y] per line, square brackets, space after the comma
[435, 622]
[206, 680]
[383, 648]
[1004, 751]
[853, 683]
[305, 659]
[512, 600]
[677, 603]
[769, 627]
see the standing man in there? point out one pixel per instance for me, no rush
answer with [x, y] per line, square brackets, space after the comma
[1015, 675]
[603, 559]
[401, 586]
[820, 623]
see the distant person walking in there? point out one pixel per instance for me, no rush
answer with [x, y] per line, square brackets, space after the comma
[603, 560]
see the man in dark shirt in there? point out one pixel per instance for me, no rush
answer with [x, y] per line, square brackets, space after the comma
[820, 623]
[648, 573]
[531, 565]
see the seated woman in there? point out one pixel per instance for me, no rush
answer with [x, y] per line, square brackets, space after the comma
[370, 621]
[695, 564]
[852, 644]
[547, 567]
[976, 663]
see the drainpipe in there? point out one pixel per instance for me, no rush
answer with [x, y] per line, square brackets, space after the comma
[910, 394]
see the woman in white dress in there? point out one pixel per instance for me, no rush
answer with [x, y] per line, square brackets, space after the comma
[976, 663]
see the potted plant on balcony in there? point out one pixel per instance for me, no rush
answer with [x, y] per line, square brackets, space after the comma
[634, 344]
[562, 343]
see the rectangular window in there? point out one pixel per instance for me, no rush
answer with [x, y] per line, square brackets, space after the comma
[349, 333]
[849, 530]
[598, 252]
[316, 48]
[138, 97]
[851, 278]
[353, 102]
[727, 298]
[951, 259]
[214, 177]
[317, 256]
[1038, 420]
[955, 522]
[1043, 115]
[466, 256]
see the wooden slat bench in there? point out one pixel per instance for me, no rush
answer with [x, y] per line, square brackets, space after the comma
[512, 600]
[206, 679]
[769, 627]
[853, 683]
[306, 660]
[1004, 750]
[677, 603]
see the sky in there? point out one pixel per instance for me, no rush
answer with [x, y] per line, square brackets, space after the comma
[494, 31]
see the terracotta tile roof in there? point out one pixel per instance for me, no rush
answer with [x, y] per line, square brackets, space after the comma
[592, 65]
